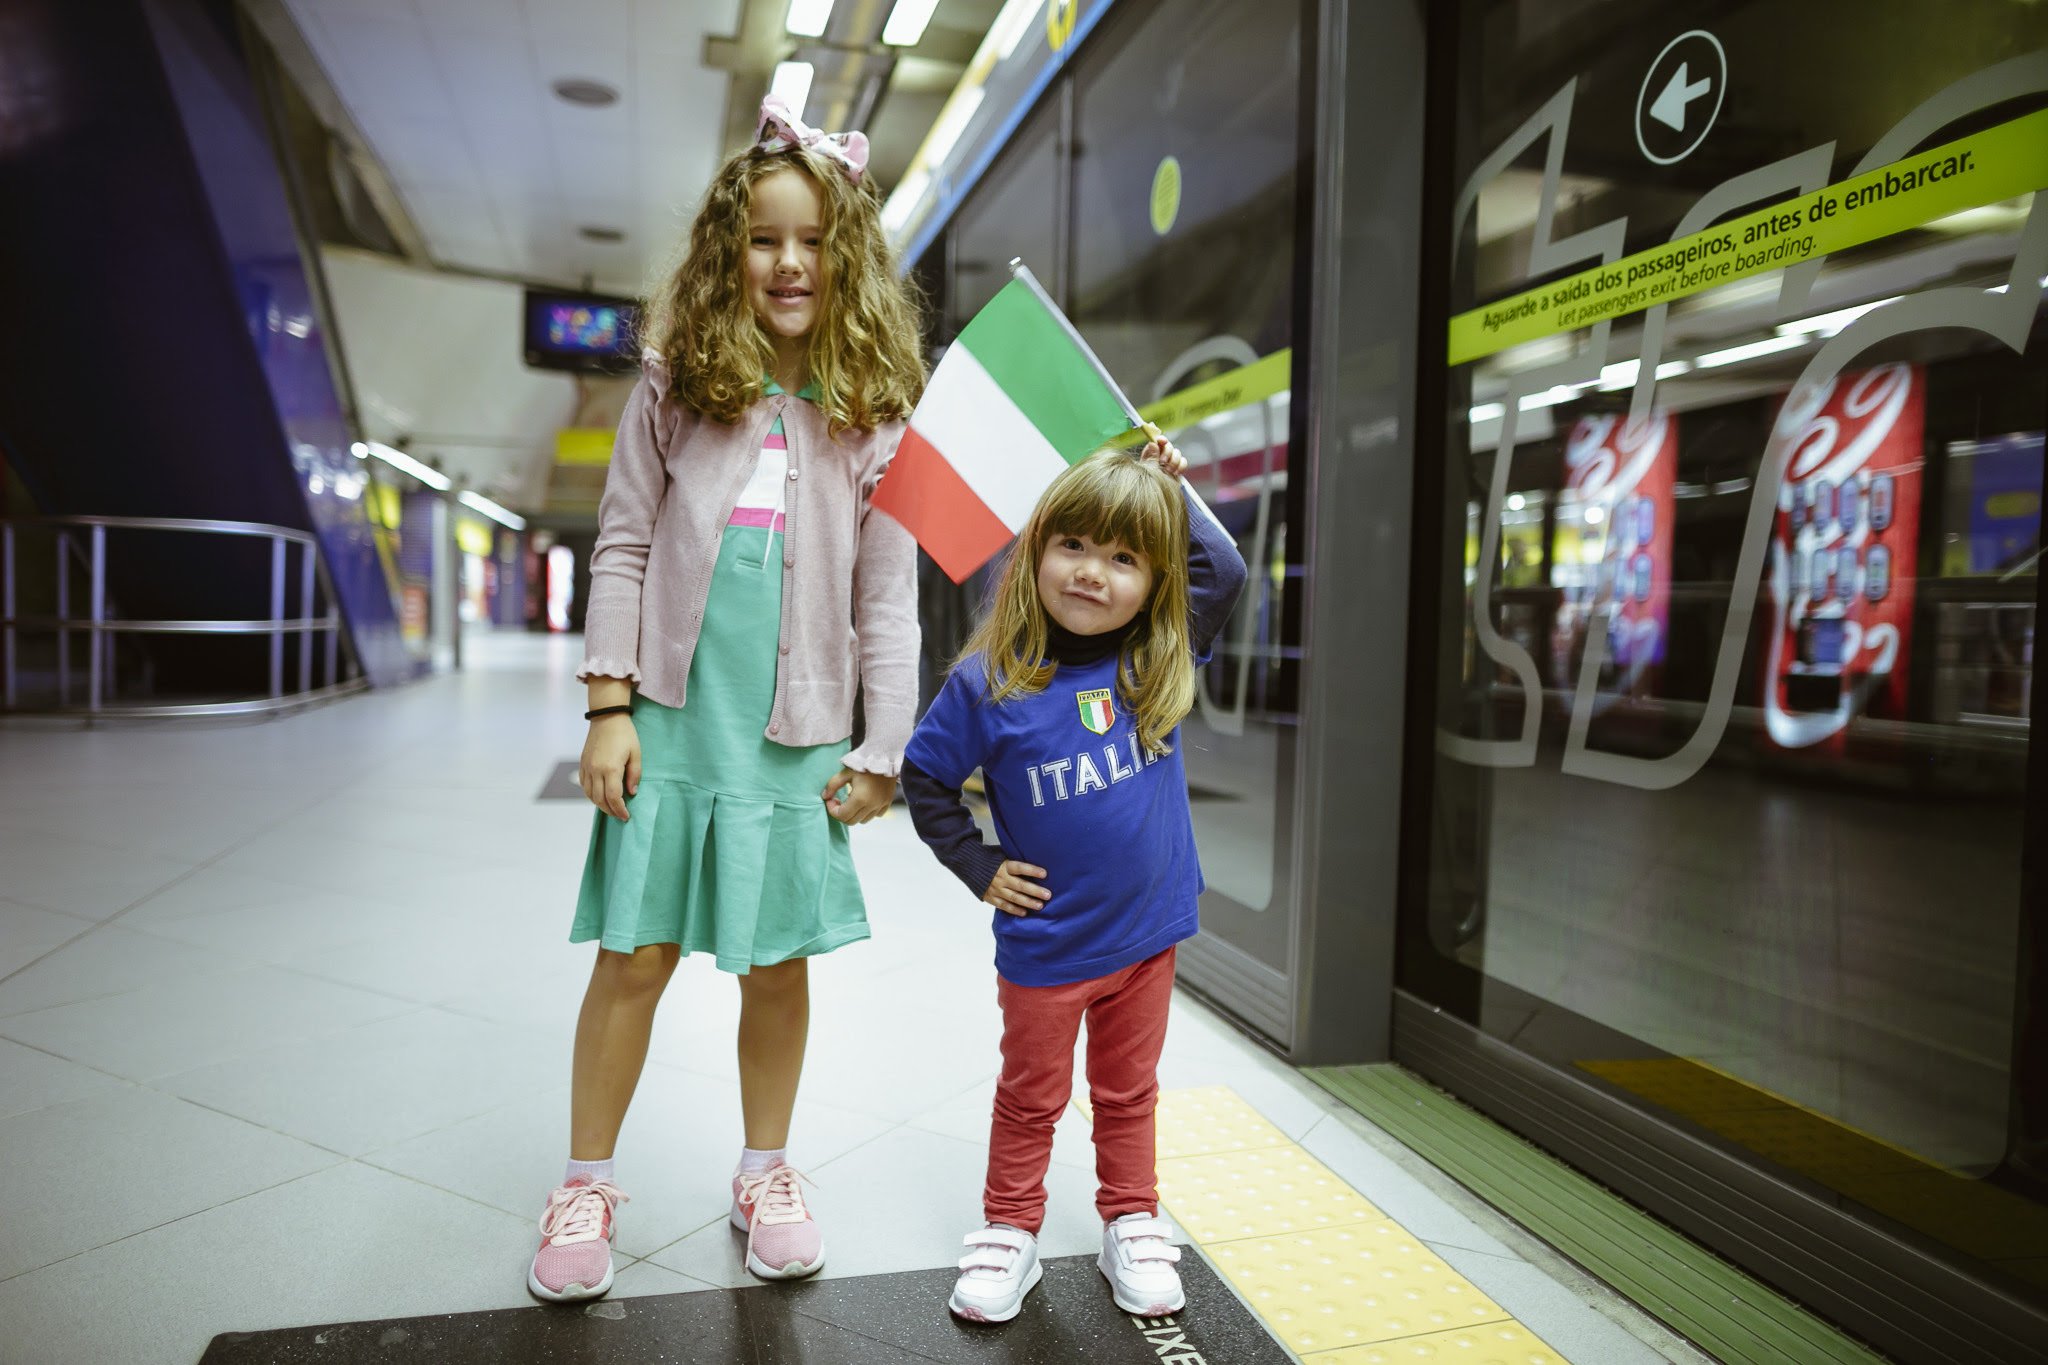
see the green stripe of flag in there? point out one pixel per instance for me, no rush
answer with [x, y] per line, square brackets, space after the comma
[1031, 357]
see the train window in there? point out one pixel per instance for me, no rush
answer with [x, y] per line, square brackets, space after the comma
[1742, 659]
[1014, 213]
[1182, 271]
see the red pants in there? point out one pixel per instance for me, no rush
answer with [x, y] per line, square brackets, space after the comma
[1126, 1013]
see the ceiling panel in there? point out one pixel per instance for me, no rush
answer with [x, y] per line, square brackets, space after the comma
[454, 97]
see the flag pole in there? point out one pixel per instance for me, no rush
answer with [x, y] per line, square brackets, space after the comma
[1022, 274]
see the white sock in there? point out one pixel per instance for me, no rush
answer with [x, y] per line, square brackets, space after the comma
[597, 1171]
[759, 1163]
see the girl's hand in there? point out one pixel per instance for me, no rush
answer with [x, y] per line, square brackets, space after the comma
[610, 768]
[1167, 456]
[871, 795]
[1014, 892]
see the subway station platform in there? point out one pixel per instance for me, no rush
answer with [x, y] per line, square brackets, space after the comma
[285, 1020]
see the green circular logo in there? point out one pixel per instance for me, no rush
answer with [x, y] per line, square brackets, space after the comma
[1059, 22]
[1165, 195]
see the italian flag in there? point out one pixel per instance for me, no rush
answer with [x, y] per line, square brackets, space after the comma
[1017, 398]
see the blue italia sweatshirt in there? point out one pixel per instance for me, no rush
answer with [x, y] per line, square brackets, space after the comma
[1072, 790]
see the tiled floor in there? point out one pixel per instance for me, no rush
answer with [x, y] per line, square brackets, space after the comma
[285, 1015]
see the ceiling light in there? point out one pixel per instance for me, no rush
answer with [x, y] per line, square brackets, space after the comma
[1012, 24]
[1620, 376]
[399, 460]
[907, 21]
[896, 213]
[1486, 412]
[1748, 351]
[2001, 288]
[792, 82]
[1624, 375]
[959, 112]
[807, 18]
[1827, 324]
[602, 234]
[491, 510]
[1595, 515]
[1550, 397]
[1516, 502]
[590, 94]
[359, 450]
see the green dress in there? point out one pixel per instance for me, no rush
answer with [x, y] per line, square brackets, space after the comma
[730, 850]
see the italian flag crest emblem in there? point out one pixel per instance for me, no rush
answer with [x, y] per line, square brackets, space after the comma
[1096, 712]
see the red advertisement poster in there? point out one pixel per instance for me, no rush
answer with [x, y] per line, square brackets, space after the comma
[1614, 541]
[1843, 554]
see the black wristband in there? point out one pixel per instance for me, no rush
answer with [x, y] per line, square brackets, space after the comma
[626, 710]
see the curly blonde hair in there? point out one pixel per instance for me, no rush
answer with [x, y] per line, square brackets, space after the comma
[865, 352]
[1113, 495]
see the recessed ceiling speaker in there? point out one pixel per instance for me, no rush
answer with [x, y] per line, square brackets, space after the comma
[590, 94]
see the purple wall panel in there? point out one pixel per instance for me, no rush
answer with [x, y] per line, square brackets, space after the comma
[163, 358]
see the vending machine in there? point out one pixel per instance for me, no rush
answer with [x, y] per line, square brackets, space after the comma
[1614, 546]
[1843, 554]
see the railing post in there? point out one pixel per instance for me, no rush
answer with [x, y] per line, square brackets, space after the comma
[277, 544]
[7, 610]
[63, 616]
[309, 549]
[95, 677]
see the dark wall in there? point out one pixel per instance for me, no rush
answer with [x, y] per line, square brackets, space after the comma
[163, 355]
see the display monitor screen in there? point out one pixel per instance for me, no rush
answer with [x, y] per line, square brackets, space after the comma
[580, 331]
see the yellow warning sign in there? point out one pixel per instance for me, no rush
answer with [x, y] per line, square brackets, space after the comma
[1998, 163]
[1059, 21]
[583, 445]
[1166, 195]
[1251, 383]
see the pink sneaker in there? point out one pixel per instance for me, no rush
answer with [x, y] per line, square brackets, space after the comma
[783, 1240]
[575, 1256]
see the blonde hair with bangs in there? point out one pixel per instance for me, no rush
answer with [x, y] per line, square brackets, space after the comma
[865, 353]
[1112, 496]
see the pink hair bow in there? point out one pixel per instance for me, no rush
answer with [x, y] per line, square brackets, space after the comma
[780, 128]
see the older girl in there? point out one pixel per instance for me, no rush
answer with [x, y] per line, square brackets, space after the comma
[741, 592]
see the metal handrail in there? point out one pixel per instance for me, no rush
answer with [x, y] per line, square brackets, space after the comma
[200, 524]
[100, 631]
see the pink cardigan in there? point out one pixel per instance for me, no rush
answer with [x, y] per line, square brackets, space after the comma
[849, 574]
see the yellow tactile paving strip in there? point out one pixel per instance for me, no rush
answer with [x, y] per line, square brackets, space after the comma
[1334, 1278]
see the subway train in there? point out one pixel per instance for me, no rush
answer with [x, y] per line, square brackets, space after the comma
[1635, 431]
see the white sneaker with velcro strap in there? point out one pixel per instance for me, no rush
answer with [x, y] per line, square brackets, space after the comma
[1138, 1257]
[999, 1269]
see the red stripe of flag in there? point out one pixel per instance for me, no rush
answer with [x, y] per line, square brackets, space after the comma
[927, 495]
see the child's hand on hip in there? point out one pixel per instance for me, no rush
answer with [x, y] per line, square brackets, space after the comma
[871, 795]
[1167, 456]
[610, 768]
[1015, 892]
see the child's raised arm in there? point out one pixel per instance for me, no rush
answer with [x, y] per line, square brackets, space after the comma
[1216, 571]
[1216, 577]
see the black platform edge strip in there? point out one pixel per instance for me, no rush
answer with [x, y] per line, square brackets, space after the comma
[862, 1320]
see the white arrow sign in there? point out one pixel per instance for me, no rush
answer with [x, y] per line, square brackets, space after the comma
[1669, 108]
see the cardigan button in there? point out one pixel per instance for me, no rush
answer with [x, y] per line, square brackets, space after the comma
[789, 563]
[792, 476]
[775, 729]
[785, 649]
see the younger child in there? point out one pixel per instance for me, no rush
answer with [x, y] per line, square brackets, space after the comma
[1068, 698]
